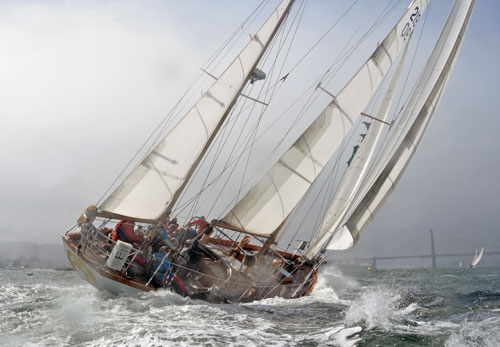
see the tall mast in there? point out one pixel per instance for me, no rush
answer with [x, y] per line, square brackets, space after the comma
[157, 182]
[212, 137]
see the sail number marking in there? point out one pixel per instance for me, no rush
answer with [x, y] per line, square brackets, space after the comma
[410, 25]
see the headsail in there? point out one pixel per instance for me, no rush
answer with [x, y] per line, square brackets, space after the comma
[407, 134]
[264, 208]
[357, 170]
[157, 182]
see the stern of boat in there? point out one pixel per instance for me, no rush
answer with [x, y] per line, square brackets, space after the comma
[95, 272]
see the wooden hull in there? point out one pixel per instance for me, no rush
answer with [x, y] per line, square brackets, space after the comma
[97, 275]
[216, 275]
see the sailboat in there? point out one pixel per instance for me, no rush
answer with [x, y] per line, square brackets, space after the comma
[476, 258]
[132, 241]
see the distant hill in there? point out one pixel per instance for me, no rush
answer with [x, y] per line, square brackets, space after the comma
[40, 255]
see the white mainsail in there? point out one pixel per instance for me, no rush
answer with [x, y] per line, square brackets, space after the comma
[266, 206]
[407, 134]
[157, 182]
[477, 257]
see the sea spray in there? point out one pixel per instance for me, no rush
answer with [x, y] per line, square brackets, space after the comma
[376, 307]
[352, 307]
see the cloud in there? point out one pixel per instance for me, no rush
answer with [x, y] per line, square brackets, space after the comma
[77, 84]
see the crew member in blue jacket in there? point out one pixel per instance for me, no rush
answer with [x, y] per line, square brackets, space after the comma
[164, 277]
[160, 267]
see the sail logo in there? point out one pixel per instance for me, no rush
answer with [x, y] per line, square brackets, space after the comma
[80, 266]
[409, 26]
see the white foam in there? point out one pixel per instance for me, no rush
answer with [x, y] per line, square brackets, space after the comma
[375, 307]
[336, 336]
[332, 284]
[484, 333]
[339, 312]
[347, 337]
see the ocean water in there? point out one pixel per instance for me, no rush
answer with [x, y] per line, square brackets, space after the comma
[424, 307]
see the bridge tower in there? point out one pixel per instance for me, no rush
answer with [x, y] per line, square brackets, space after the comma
[433, 250]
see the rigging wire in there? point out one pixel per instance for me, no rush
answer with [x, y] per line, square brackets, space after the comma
[332, 178]
[361, 40]
[333, 189]
[227, 47]
[410, 68]
[254, 131]
[235, 114]
[220, 140]
[355, 197]
[368, 177]
[404, 244]
[323, 36]
[345, 59]
[303, 111]
[169, 115]
[371, 169]
[233, 163]
[333, 174]
[329, 182]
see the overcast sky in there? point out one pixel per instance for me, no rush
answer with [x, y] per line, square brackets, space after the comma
[82, 84]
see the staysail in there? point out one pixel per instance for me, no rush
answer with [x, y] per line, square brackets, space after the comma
[357, 170]
[264, 208]
[155, 185]
[407, 134]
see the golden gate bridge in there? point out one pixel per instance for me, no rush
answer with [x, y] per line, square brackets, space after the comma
[372, 261]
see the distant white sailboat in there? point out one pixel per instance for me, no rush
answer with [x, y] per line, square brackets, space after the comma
[476, 258]
[460, 264]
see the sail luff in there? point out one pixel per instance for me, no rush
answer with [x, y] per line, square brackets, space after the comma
[277, 193]
[156, 184]
[420, 110]
[357, 170]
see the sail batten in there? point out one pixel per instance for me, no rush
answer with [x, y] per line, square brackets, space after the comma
[155, 185]
[406, 137]
[260, 210]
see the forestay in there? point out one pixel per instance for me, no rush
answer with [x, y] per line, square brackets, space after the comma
[413, 123]
[157, 182]
[264, 208]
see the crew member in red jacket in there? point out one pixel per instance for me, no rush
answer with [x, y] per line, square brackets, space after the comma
[124, 231]
[201, 224]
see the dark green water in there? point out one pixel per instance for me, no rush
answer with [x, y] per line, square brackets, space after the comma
[351, 308]
[440, 307]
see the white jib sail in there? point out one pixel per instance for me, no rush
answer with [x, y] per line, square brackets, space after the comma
[352, 180]
[408, 134]
[270, 201]
[148, 190]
